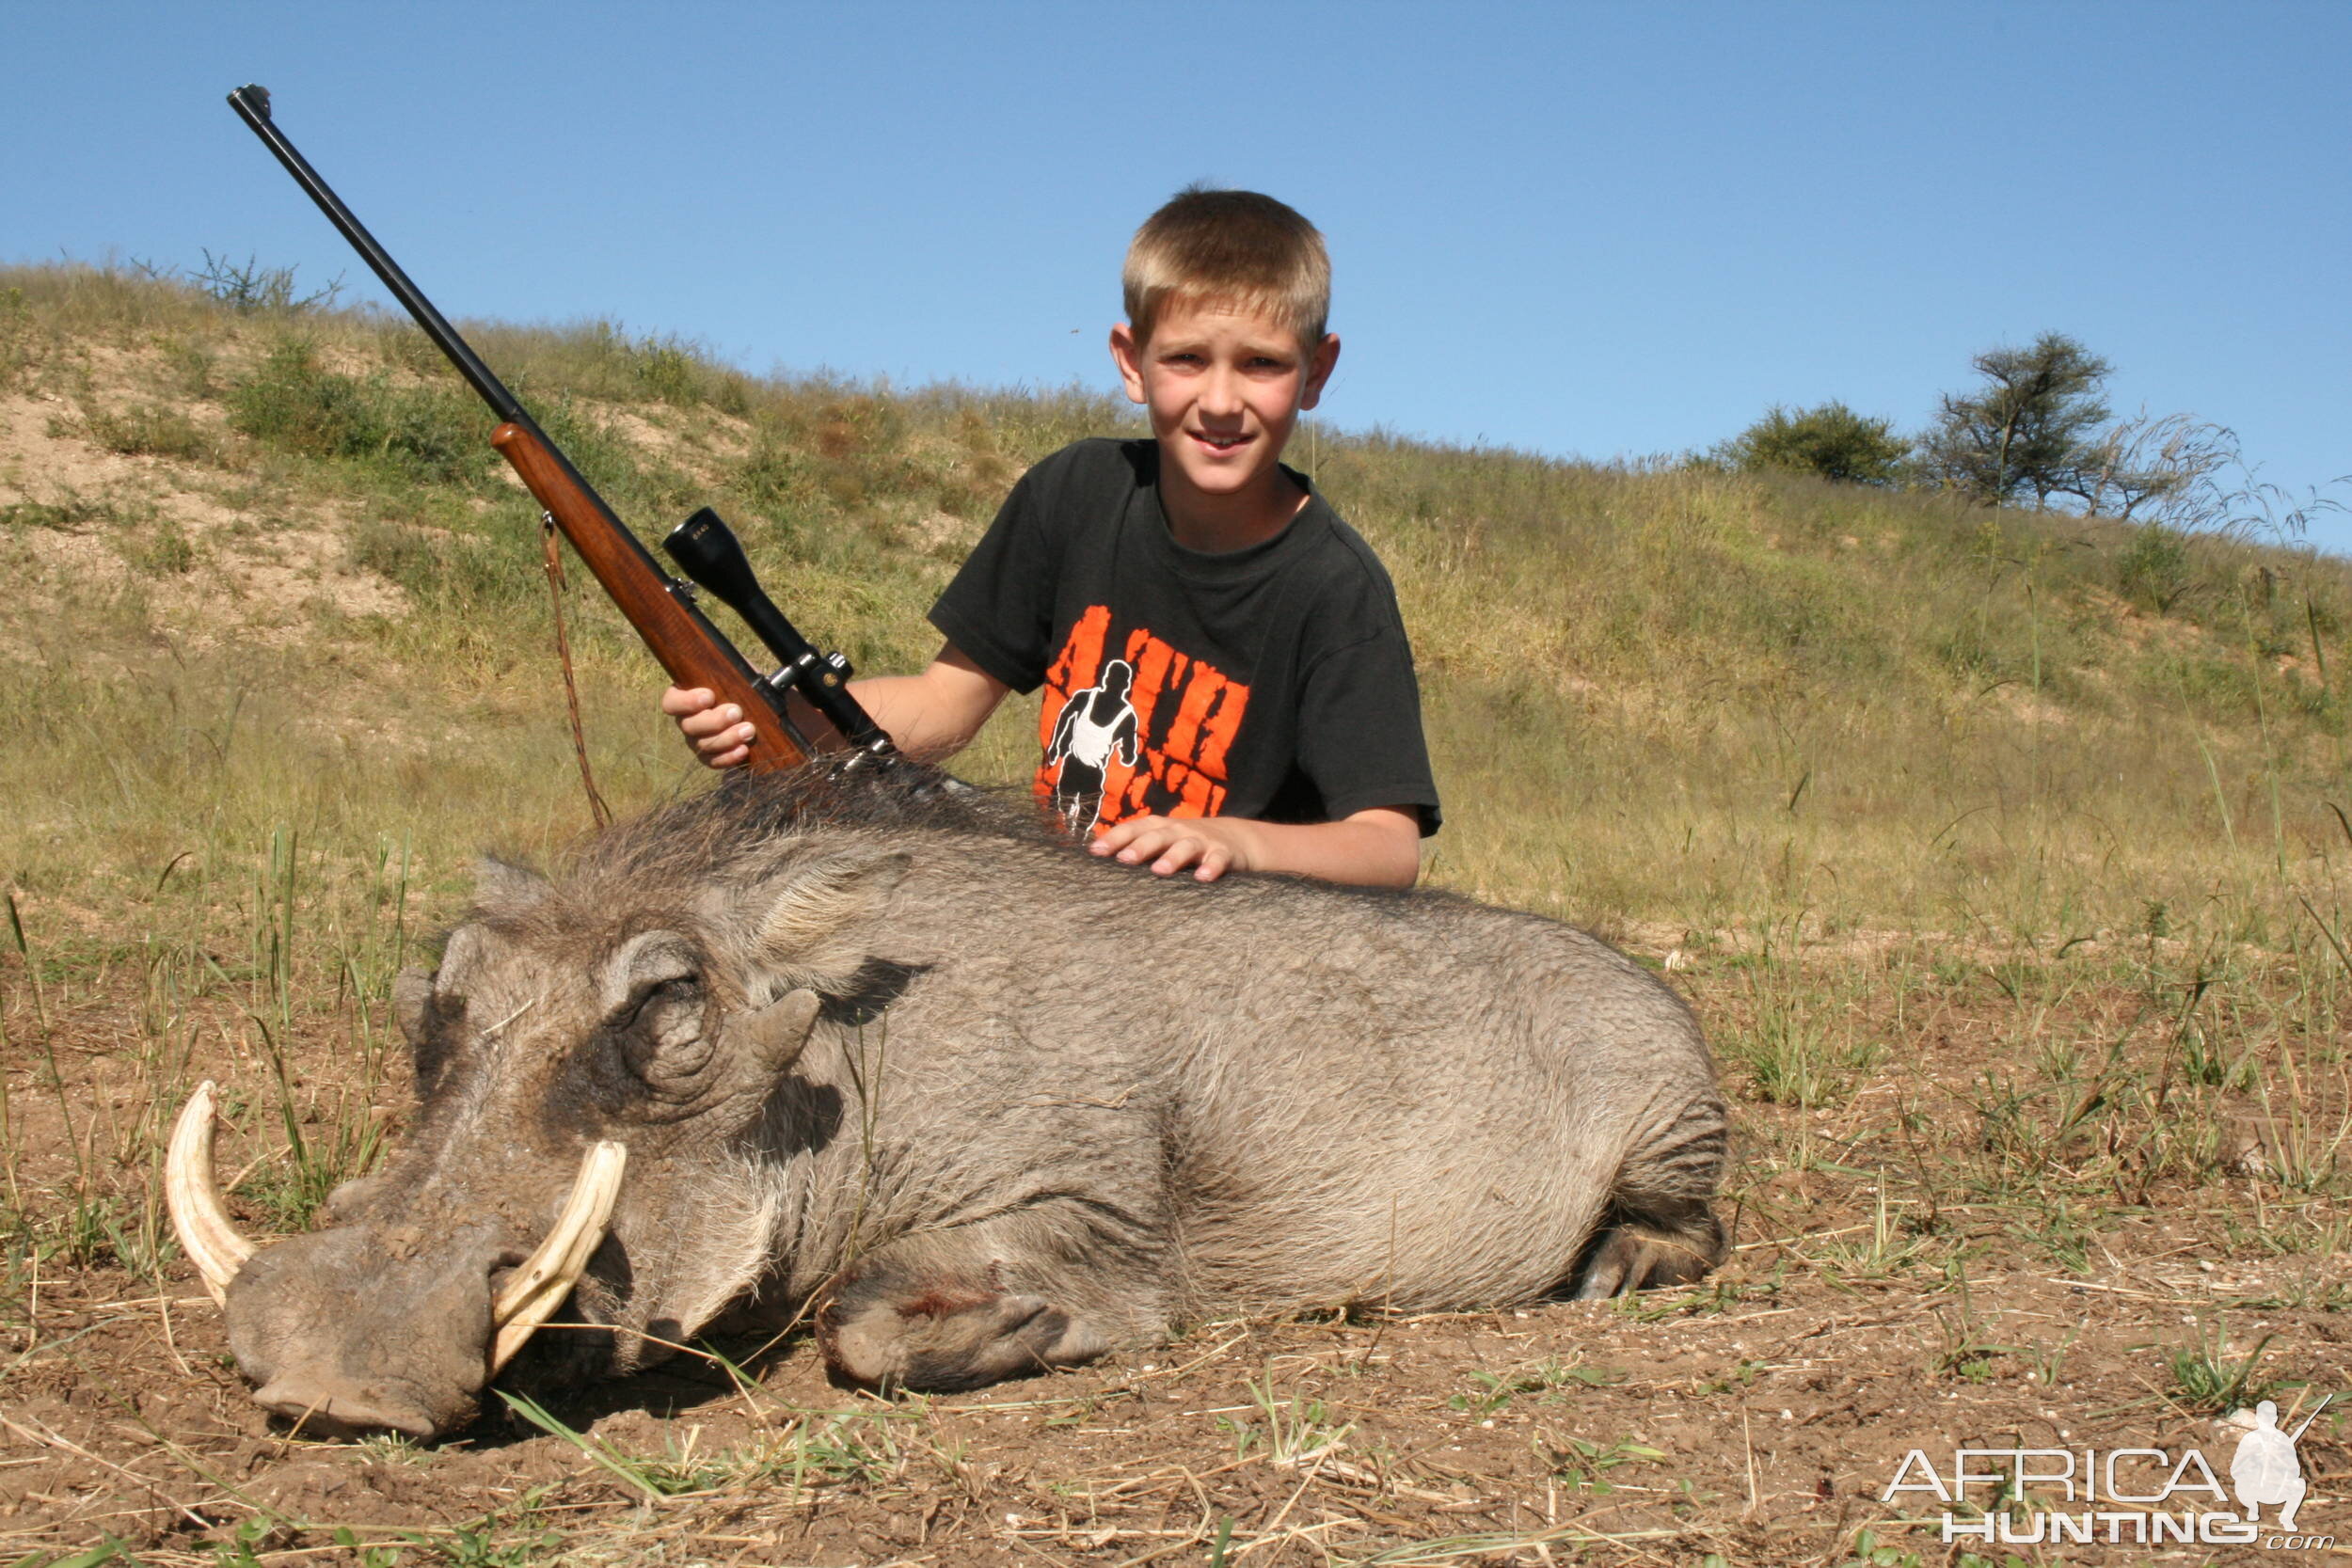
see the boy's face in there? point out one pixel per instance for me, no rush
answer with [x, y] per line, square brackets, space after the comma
[1225, 388]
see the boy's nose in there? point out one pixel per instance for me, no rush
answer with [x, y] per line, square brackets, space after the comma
[1222, 393]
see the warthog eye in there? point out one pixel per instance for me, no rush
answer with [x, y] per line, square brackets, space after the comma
[662, 1035]
[686, 991]
[654, 1003]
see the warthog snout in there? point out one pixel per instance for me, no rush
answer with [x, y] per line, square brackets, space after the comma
[373, 1325]
[404, 1348]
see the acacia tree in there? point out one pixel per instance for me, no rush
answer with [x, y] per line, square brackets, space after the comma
[1833, 441]
[2027, 430]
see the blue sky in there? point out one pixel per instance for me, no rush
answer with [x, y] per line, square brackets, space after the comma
[1593, 231]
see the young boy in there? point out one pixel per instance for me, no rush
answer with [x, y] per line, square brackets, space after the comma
[1228, 682]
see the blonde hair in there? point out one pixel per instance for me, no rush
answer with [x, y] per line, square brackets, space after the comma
[1234, 247]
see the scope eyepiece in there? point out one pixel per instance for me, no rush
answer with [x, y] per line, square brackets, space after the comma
[706, 550]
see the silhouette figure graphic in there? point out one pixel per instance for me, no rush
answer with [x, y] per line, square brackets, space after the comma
[1096, 724]
[2265, 1469]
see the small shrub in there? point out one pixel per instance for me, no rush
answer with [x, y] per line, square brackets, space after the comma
[676, 371]
[669, 372]
[290, 403]
[66, 515]
[16, 337]
[251, 287]
[395, 551]
[605, 459]
[2207, 1379]
[490, 572]
[2157, 567]
[422, 432]
[774, 476]
[1832, 441]
[191, 367]
[163, 550]
[150, 431]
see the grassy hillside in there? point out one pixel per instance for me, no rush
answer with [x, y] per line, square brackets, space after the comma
[268, 576]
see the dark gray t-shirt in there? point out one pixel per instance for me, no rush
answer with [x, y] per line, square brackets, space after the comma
[1272, 682]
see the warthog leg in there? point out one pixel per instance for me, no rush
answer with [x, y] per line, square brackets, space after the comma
[1007, 1298]
[1668, 1246]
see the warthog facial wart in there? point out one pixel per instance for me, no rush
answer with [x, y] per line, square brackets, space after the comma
[985, 1105]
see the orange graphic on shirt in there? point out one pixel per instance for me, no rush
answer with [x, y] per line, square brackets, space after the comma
[1150, 730]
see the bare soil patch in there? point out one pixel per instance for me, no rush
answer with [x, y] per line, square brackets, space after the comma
[216, 571]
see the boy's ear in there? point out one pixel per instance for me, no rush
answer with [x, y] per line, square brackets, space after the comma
[1319, 363]
[1128, 356]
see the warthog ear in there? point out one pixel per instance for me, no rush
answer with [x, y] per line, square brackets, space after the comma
[461, 955]
[811, 929]
[412, 998]
[504, 887]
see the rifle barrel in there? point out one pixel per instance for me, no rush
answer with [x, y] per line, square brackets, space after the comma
[2297, 1435]
[253, 107]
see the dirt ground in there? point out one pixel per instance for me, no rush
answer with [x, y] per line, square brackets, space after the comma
[1977, 1240]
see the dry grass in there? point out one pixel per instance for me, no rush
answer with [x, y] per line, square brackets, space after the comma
[2013, 905]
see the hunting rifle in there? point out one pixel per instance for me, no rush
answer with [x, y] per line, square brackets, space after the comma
[661, 608]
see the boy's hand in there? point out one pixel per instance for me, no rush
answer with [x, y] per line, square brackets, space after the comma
[1379, 847]
[717, 732]
[930, 716]
[1211, 846]
[1375, 846]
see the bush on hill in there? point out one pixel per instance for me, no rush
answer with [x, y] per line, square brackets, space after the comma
[1831, 442]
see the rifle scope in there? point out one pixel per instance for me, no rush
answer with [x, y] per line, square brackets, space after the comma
[707, 550]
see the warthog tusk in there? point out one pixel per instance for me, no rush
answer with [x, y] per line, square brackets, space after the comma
[198, 1217]
[548, 1275]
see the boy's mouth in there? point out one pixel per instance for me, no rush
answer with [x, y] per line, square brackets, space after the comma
[1221, 443]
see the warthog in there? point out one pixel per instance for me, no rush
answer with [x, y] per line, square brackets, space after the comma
[985, 1105]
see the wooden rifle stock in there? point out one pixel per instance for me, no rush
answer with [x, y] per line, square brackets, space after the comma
[685, 641]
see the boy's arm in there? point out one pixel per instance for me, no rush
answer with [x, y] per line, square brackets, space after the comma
[1379, 847]
[934, 715]
[930, 715]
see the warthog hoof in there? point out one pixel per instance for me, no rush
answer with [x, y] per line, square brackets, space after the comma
[883, 1329]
